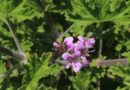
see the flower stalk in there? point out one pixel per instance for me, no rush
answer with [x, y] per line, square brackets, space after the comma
[112, 62]
[100, 41]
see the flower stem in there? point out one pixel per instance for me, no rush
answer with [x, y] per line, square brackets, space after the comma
[100, 41]
[100, 47]
[112, 62]
[66, 31]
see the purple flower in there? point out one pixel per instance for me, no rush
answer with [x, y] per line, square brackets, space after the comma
[80, 38]
[79, 46]
[72, 62]
[70, 56]
[74, 46]
[84, 61]
[69, 42]
[90, 42]
[76, 66]
[75, 55]
[66, 56]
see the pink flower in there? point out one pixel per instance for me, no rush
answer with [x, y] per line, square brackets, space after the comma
[76, 66]
[69, 43]
[89, 42]
[75, 55]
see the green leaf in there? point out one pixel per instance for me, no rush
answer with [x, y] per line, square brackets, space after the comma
[6, 7]
[81, 81]
[28, 9]
[19, 10]
[43, 71]
[123, 72]
[127, 44]
[118, 47]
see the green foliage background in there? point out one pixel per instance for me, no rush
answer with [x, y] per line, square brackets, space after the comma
[38, 23]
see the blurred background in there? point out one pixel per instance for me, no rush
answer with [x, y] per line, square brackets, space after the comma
[39, 23]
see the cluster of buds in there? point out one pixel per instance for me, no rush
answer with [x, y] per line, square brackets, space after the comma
[76, 52]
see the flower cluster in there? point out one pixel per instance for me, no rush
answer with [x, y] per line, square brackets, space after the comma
[76, 52]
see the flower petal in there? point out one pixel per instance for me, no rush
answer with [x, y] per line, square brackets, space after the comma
[68, 41]
[70, 47]
[66, 56]
[81, 38]
[67, 66]
[79, 45]
[77, 53]
[90, 42]
[76, 66]
[84, 61]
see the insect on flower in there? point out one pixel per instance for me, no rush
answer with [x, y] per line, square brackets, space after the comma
[74, 51]
[58, 49]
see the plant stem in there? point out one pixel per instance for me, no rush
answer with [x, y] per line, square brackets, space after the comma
[8, 23]
[20, 54]
[14, 54]
[100, 41]
[66, 31]
[100, 47]
[100, 52]
[98, 83]
[112, 62]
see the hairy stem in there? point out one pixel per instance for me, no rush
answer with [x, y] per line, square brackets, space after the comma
[100, 51]
[66, 31]
[100, 41]
[8, 23]
[112, 62]
[100, 47]
[14, 54]
[20, 54]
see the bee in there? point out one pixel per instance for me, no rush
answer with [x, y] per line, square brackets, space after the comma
[57, 50]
